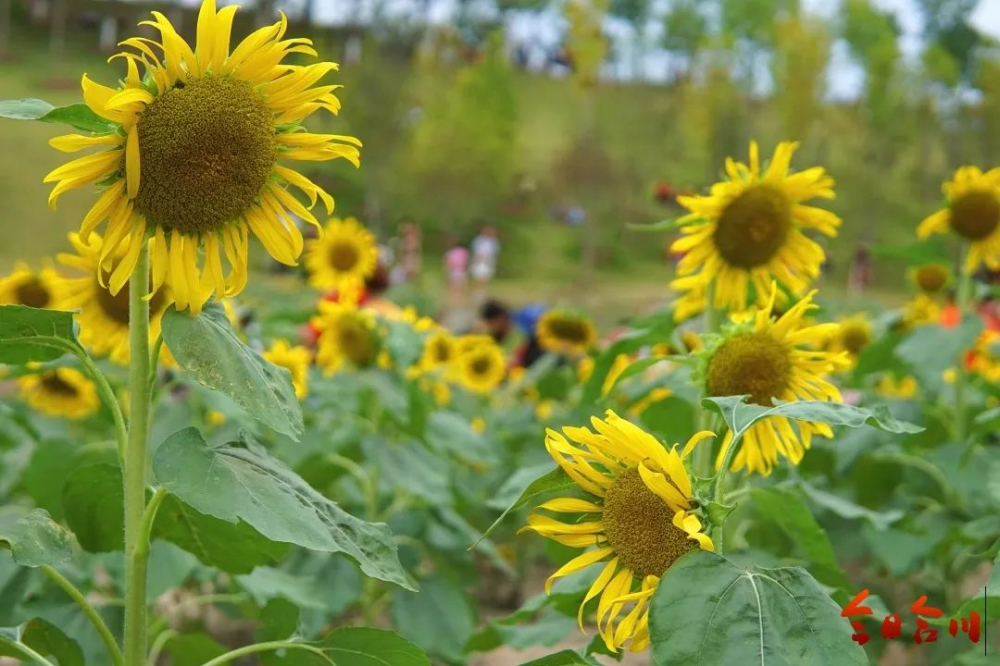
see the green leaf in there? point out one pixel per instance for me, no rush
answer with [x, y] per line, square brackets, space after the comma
[193, 649]
[31, 334]
[93, 503]
[708, 611]
[44, 638]
[635, 368]
[439, 617]
[364, 646]
[986, 603]
[234, 548]
[265, 584]
[75, 115]
[662, 225]
[786, 509]
[740, 416]
[279, 619]
[206, 347]
[408, 466]
[452, 434]
[33, 538]
[547, 629]
[849, 510]
[50, 464]
[553, 481]
[564, 658]
[241, 481]
[915, 253]
[930, 350]
[631, 341]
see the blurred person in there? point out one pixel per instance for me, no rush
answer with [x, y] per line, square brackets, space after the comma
[496, 320]
[410, 251]
[859, 275]
[530, 350]
[485, 250]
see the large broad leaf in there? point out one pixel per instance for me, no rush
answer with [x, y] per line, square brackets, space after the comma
[33, 538]
[740, 415]
[439, 617]
[31, 334]
[51, 462]
[708, 611]
[233, 547]
[75, 115]
[547, 629]
[208, 350]
[930, 350]
[265, 584]
[43, 638]
[786, 509]
[564, 658]
[93, 503]
[241, 481]
[193, 649]
[363, 646]
[553, 481]
[987, 602]
[849, 510]
[451, 434]
[409, 466]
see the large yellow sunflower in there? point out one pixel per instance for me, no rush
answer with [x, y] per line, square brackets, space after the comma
[61, 392]
[563, 332]
[852, 335]
[344, 256]
[296, 359]
[749, 231]
[973, 212]
[103, 316]
[774, 358]
[192, 151]
[439, 351]
[480, 369]
[347, 335]
[639, 519]
[36, 289]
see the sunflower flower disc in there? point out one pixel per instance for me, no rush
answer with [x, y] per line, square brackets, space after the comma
[973, 213]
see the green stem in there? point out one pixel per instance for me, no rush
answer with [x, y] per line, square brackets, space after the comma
[109, 641]
[158, 644]
[134, 471]
[148, 516]
[107, 396]
[961, 413]
[162, 623]
[262, 647]
[28, 652]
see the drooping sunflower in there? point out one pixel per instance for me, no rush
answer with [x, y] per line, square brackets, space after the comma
[639, 519]
[192, 150]
[36, 289]
[61, 392]
[480, 369]
[973, 213]
[931, 278]
[852, 335]
[774, 358]
[296, 359]
[564, 332]
[750, 230]
[103, 316]
[344, 256]
[346, 335]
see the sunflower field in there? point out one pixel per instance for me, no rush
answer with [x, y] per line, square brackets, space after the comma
[744, 475]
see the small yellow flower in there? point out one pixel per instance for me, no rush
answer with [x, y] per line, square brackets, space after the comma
[481, 369]
[296, 359]
[478, 425]
[890, 386]
[949, 376]
[439, 351]
[853, 334]
[985, 357]
[344, 256]
[656, 395]
[61, 392]
[544, 410]
[215, 417]
[973, 213]
[347, 335]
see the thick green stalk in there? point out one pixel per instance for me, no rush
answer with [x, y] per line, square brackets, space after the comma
[961, 421]
[136, 555]
[76, 595]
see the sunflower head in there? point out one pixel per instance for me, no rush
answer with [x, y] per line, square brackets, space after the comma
[347, 335]
[564, 332]
[480, 369]
[195, 154]
[919, 311]
[469, 342]
[853, 335]
[767, 358]
[62, 392]
[973, 213]
[890, 386]
[749, 230]
[36, 289]
[344, 256]
[439, 350]
[931, 278]
[296, 359]
[639, 517]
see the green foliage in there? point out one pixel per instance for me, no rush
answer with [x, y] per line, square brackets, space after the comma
[42, 638]
[29, 334]
[92, 504]
[33, 539]
[78, 116]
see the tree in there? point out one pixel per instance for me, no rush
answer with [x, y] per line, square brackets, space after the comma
[871, 36]
[802, 52]
[946, 26]
[684, 31]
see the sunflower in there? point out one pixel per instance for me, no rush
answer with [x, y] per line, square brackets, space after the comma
[890, 386]
[344, 256]
[480, 369]
[103, 316]
[470, 342]
[984, 359]
[638, 516]
[439, 350]
[852, 335]
[931, 278]
[60, 392]
[296, 359]
[346, 334]
[774, 358]
[750, 230]
[921, 310]
[972, 212]
[36, 289]
[191, 154]
[563, 332]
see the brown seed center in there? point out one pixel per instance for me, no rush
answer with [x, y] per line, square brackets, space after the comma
[639, 526]
[33, 294]
[53, 383]
[753, 227]
[753, 364]
[343, 256]
[115, 307]
[975, 215]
